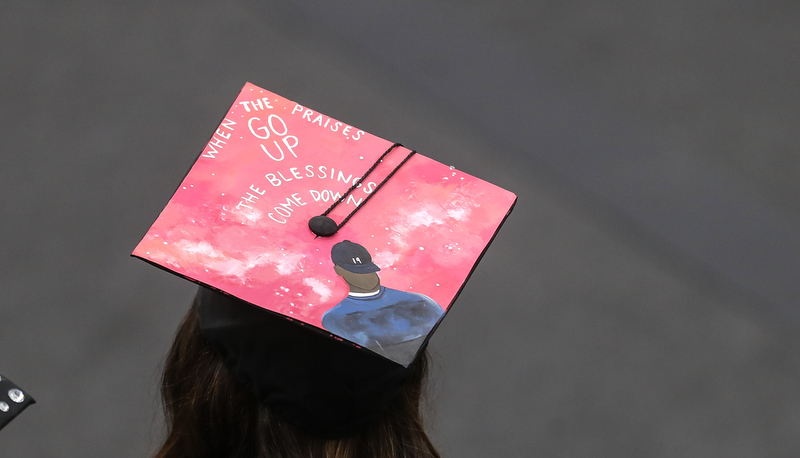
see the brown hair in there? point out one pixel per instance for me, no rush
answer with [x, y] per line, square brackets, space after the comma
[209, 413]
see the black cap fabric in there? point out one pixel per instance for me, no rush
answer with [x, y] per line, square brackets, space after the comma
[326, 386]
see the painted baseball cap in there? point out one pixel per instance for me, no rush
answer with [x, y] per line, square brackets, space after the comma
[353, 257]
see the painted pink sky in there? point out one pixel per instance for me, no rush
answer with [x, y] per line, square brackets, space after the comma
[425, 228]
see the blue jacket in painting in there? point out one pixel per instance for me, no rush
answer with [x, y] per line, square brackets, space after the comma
[385, 322]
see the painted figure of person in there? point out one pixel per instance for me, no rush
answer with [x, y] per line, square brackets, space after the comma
[390, 322]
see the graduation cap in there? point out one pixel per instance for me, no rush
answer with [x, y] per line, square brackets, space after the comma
[12, 401]
[347, 235]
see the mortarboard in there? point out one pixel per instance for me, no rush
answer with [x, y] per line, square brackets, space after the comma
[12, 401]
[348, 235]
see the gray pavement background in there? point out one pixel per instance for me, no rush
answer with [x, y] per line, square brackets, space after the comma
[640, 301]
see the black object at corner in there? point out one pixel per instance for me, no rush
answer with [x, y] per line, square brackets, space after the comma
[12, 401]
[323, 384]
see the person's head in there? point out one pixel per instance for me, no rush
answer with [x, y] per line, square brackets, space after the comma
[353, 263]
[217, 405]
